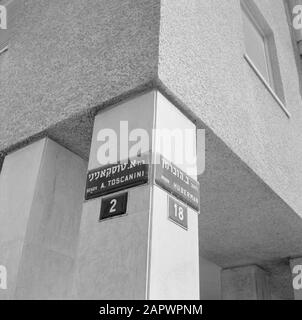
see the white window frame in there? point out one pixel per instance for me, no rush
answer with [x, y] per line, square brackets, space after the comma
[252, 12]
[12, 9]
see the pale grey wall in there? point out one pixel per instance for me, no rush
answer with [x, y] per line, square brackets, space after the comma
[17, 180]
[245, 283]
[202, 64]
[50, 246]
[41, 195]
[112, 256]
[67, 56]
[210, 280]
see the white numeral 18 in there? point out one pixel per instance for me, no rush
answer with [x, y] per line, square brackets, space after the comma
[179, 211]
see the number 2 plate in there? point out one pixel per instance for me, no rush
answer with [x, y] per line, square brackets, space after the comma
[114, 206]
[178, 212]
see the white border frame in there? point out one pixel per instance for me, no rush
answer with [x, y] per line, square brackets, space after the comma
[267, 85]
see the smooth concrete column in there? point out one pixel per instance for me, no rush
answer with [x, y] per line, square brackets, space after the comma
[142, 254]
[173, 252]
[41, 192]
[18, 179]
[210, 280]
[245, 283]
[112, 254]
[296, 269]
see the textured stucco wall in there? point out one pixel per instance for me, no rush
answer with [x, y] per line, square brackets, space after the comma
[69, 56]
[66, 56]
[201, 61]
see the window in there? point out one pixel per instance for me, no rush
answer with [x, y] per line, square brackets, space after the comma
[4, 38]
[10, 9]
[3, 32]
[256, 46]
[261, 51]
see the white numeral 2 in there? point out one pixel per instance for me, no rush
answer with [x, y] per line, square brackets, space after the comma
[113, 203]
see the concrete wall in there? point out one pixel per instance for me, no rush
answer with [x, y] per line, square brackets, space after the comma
[112, 254]
[201, 62]
[143, 254]
[69, 58]
[245, 283]
[41, 194]
[22, 167]
[174, 253]
[50, 246]
[210, 280]
[66, 56]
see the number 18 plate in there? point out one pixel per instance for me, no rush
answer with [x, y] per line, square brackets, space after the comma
[178, 212]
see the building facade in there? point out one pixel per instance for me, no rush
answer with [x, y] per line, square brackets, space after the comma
[232, 68]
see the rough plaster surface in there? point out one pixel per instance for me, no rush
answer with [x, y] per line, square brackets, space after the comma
[242, 220]
[280, 280]
[201, 62]
[246, 283]
[250, 190]
[69, 58]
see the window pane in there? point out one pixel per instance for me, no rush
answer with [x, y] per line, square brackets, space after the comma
[255, 46]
